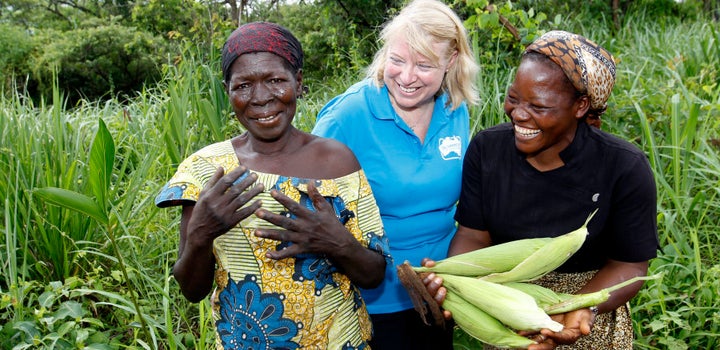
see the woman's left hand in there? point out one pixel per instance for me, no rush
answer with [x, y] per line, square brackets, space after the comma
[317, 232]
[575, 323]
[320, 232]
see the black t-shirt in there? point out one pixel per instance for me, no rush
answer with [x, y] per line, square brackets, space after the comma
[503, 194]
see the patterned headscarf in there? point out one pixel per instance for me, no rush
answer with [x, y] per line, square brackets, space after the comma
[590, 68]
[261, 37]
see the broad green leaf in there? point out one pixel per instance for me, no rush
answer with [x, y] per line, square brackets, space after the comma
[46, 299]
[72, 200]
[27, 327]
[102, 157]
[71, 309]
[65, 328]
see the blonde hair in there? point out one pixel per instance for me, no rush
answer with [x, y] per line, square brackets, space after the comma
[423, 23]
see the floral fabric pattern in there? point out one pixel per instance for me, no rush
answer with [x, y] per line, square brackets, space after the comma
[254, 317]
[301, 302]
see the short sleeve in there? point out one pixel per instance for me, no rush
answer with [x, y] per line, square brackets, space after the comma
[194, 172]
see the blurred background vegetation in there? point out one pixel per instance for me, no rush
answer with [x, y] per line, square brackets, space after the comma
[100, 49]
[100, 100]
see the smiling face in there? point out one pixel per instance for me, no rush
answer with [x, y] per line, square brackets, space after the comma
[544, 110]
[263, 93]
[413, 79]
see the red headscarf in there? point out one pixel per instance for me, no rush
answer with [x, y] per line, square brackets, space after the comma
[261, 37]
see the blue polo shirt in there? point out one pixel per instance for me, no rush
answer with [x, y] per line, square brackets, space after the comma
[416, 185]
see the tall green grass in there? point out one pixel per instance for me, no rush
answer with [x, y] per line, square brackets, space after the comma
[671, 108]
[69, 280]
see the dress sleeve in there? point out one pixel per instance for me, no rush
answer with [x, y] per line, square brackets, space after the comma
[184, 187]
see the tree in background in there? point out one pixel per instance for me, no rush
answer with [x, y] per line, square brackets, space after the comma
[17, 45]
[339, 36]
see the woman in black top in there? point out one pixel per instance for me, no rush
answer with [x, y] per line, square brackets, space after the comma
[546, 170]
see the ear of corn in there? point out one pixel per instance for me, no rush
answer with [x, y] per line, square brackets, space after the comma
[554, 303]
[510, 306]
[493, 306]
[482, 326]
[544, 297]
[497, 258]
[546, 259]
[578, 301]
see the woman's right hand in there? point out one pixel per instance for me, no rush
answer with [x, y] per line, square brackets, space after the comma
[218, 209]
[434, 285]
[221, 204]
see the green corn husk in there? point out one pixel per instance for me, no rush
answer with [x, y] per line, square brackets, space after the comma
[497, 258]
[544, 297]
[482, 326]
[556, 303]
[510, 306]
[579, 301]
[546, 259]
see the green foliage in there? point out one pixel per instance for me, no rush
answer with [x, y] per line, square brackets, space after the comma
[663, 9]
[125, 271]
[332, 49]
[498, 34]
[98, 62]
[17, 45]
[196, 107]
[61, 318]
[503, 25]
[177, 19]
[100, 167]
[39, 149]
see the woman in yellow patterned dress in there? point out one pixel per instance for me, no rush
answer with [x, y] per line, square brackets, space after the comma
[282, 221]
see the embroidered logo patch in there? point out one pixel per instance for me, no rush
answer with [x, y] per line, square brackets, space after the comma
[450, 147]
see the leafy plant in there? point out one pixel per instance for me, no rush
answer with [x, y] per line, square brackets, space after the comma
[61, 320]
[102, 157]
[98, 62]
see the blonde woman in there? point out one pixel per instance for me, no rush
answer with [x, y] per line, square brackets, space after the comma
[408, 125]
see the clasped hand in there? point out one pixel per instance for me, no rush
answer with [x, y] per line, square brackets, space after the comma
[222, 204]
[316, 232]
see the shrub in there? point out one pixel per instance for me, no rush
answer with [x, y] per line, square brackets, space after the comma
[98, 62]
[17, 45]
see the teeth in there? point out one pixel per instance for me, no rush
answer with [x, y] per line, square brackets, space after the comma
[525, 131]
[407, 90]
[266, 118]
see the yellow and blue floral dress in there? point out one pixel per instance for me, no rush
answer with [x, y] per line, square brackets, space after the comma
[295, 303]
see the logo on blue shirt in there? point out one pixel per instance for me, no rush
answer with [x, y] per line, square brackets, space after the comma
[450, 147]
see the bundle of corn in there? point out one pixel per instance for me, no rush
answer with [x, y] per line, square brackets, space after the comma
[488, 294]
